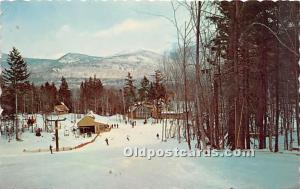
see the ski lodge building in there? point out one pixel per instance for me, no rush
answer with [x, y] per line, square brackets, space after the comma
[141, 111]
[88, 125]
[145, 111]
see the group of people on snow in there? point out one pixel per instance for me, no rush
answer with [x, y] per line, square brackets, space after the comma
[114, 126]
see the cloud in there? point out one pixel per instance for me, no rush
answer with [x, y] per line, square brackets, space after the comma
[128, 35]
[63, 30]
[90, 28]
[129, 26]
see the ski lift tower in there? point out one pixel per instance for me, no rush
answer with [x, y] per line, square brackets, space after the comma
[58, 110]
[56, 130]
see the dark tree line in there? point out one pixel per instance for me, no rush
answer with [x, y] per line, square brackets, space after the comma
[153, 92]
[90, 92]
[245, 57]
[258, 43]
[35, 99]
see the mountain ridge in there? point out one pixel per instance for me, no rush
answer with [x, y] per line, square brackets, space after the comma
[75, 67]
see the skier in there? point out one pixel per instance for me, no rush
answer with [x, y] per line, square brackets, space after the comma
[106, 140]
[157, 135]
[50, 147]
[127, 137]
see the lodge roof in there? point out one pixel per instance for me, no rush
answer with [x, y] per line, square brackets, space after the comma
[61, 108]
[134, 107]
[89, 121]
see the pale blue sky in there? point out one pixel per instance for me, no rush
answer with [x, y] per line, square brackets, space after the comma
[51, 29]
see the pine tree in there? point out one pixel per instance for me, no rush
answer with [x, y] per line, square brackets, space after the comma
[159, 91]
[14, 77]
[129, 91]
[144, 89]
[64, 93]
[17, 72]
[152, 93]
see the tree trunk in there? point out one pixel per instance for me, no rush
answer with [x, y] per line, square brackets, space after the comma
[285, 127]
[216, 109]
[277, 101]
[246, 116]
[185, 91]
[291, 125]
[236, 73]
[16, 118]
[271, 123]
[197, 87]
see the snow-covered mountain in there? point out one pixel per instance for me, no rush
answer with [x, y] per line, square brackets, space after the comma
[75, 67]
[78, 58]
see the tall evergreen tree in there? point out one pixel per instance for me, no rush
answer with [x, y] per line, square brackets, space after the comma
[64, 93]
[14, 77]
[144, 89]
[17, 72]
[159, 91]
[129, 91]
[152, 93]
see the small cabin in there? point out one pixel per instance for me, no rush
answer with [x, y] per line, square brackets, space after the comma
[61, 109]
[88, 125]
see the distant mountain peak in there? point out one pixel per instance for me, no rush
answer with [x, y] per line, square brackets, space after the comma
[141, 55]
[78, 58]
[137, 52]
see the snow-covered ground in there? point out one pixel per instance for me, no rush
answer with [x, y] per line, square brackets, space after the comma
[100, 166]
[31, 142]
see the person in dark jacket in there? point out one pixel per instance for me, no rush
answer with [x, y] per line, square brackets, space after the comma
[106, 140]
[50, 147]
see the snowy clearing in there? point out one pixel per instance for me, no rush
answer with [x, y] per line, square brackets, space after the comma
[100, 166]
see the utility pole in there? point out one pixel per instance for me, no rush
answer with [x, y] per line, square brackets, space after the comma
[56, 131]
